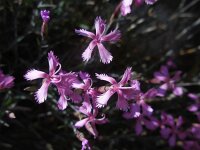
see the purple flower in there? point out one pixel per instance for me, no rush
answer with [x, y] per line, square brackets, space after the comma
[142, 112]
[51, 77]
[168, 83]
[170, 129]
[88, 93]
[97, 39]
[126, 7]
[65, 91]
[45, 15]
[90, 121]
[6, 81]
[124, 93]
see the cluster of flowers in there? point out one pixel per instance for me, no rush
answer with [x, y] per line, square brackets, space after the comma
[78, 88]
[6, 81]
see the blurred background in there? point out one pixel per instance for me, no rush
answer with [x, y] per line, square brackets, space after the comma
[150, 36]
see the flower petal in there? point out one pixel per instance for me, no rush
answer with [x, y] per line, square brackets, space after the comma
[105, 55]
[62, 102]
[126, 7]
[178, 91]
[165, 132]
[138, 127]
[106, 78]
[53, 62]
[41, 94]
[99, 26]
[172, 140]
[88, 51]
[113, 36]
[81, 123]
[34, 74]
[126, 76]
[92, 129]
[84, 32]
[160, 77]
[122, 103]
[103, 98]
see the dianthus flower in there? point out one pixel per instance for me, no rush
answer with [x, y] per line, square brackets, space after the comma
[65, 91]
[51, 77]
[171, 129]
[124, 93]
[6, 81]
[98, 39]
[90, 121]
[168, 82]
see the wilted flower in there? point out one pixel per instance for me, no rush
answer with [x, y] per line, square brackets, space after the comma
[124, 93]
[168, 83]
[6, 81]
[51, 77]
[90, 121]
[171, 129]
[45, 15]
[97, 40]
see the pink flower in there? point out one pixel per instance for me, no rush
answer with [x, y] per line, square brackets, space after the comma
[88, 93]
[6, 81]
[90, 121]
[51, 77]
[123, 92]
[168, 82]
[126, 7]
[97, 39]
[65, 91]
